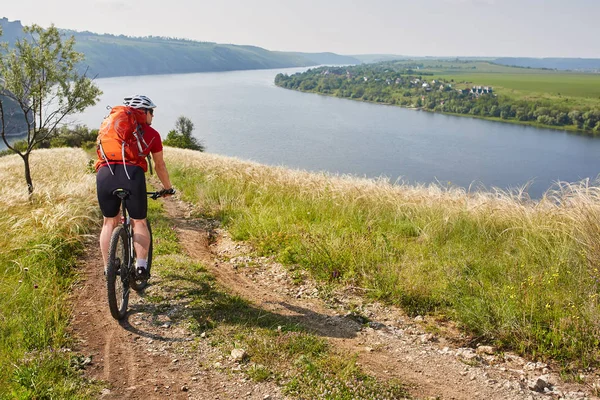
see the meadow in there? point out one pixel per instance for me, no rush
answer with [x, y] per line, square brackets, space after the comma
[514, 273]
[521, 83]
[554, 84]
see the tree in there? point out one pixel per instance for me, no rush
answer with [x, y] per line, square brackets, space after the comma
[576, 118]
[40, 74]
[590, 119]
[182, 137]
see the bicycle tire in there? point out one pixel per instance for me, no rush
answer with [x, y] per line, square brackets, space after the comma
[140, 284]
[117, 285]
[149, 248]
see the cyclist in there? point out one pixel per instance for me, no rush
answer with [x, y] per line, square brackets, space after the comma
[133, 179]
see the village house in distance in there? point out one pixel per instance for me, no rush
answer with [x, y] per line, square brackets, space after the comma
[414, 82]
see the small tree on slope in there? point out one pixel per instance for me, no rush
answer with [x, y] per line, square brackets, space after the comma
[182, 137]
[40, 75]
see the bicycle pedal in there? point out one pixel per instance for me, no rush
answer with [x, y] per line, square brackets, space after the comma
[142, 273]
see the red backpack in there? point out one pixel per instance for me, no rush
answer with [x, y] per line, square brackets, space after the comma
[120, 137]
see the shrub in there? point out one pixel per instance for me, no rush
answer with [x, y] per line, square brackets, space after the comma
[182, 137]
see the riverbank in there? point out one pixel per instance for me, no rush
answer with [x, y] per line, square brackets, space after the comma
[570, 129]
[541, 98]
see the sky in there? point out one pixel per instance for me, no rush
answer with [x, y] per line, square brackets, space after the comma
[479, 28]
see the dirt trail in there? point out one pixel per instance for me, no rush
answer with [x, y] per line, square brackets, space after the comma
[146, 357]
[122, 352]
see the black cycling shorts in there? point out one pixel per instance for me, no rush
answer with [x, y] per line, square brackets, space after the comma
[106, 184]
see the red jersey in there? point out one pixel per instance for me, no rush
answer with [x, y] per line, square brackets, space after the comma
[152, 139]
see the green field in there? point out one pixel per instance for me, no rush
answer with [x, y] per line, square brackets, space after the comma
[559, 84]
[520, 83]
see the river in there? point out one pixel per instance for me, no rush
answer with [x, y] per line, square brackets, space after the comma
[243, 114]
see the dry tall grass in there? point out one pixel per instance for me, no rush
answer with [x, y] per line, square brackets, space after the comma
[567, 207]
[39, 241]
[63, 198]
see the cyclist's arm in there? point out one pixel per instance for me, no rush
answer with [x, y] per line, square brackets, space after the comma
[161, 169]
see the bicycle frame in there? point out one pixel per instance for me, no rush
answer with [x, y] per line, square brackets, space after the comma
[125, 221]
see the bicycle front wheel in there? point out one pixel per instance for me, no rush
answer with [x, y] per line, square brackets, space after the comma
[117, 279]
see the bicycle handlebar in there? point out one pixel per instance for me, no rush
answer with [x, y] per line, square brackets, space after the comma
[156, 195]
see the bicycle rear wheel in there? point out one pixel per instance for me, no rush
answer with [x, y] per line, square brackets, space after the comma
[140, 284]
[117, 279]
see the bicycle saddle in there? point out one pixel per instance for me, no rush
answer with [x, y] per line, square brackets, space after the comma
[121, 193]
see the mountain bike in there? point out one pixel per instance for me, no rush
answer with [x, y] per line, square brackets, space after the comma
[120, 271]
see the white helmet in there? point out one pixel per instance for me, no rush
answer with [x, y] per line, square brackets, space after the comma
[138, 101]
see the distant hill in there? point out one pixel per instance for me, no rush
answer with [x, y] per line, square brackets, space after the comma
[574, 64]
[327, 58]
[14, 119]
[10, 30]
[373, 58]
[109, 55]
[112, 55]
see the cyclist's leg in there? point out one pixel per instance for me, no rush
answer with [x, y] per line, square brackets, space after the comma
[108, 227]
[106, 183]
[141, 238]
[137, 206]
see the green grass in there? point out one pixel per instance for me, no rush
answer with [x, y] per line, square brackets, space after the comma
[277, 348]
[164, 236]
[34, 319]
[40, 245]
[582, 89]
[564, 89]
[518, 275]
[564, 84]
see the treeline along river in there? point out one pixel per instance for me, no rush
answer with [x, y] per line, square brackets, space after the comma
[243, 114]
